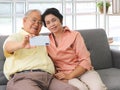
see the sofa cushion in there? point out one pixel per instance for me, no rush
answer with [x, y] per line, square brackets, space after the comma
[111, 78]
[97, 44]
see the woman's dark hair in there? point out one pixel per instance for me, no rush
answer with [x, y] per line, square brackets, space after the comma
[53, 11]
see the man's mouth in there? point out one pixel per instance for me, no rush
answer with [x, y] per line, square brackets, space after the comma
[35, 28]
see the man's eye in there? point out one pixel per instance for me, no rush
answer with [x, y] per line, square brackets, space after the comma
[40, 22]
[34, 20]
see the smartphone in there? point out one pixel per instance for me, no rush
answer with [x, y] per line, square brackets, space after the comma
[39, 40]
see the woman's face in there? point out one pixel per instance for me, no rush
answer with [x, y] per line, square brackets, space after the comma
[53, 23]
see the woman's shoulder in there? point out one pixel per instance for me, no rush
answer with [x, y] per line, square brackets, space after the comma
[67, 30]
[74, 32]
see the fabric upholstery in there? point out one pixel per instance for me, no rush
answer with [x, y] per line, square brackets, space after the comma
[96, 42]
[111, 77]
[105, 60]
[2, 87]
[2, 38]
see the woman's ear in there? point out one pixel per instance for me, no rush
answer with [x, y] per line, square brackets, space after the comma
[62, 21]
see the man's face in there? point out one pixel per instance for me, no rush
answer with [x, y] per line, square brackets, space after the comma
[33, 23]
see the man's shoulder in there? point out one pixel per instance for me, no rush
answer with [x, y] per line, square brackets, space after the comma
[15, 36]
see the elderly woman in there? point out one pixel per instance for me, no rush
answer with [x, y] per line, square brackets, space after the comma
[69, 54]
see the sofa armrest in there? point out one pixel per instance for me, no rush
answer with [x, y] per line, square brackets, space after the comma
[115, 57]
[3, 80]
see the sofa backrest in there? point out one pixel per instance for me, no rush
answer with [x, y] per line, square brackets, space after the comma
[3, 80]
[97, 43]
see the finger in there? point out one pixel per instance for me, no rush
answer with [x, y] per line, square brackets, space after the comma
[26, 38]
[31, 35]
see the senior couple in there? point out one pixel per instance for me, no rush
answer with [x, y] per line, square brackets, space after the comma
[64, 64]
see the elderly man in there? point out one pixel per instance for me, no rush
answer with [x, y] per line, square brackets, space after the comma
[29, 67]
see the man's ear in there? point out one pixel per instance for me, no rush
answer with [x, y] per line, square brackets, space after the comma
[24, 19]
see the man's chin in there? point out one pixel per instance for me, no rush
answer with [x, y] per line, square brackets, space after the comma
[35, 33]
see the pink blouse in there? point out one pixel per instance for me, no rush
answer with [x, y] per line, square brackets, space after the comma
[70, 53]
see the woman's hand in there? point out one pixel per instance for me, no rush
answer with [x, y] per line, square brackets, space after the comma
[62, 76]
[78, 71]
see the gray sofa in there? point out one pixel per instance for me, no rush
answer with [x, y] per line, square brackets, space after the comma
[105, 60]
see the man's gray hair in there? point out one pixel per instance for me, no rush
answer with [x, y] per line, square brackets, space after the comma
[30, 11]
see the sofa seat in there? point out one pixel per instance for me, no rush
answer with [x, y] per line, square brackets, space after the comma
[2, 87]
[111, 77]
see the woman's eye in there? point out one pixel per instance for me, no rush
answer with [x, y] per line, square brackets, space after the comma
[47, 23]
[53, 20]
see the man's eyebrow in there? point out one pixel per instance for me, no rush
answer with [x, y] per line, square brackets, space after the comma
[37, 19]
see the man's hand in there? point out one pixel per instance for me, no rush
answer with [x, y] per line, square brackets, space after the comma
[26, 42]
[11, 46]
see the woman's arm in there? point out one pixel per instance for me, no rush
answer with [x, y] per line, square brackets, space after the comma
[76, 73]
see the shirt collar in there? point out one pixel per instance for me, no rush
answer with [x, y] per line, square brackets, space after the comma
[65, 29]
[22, 31]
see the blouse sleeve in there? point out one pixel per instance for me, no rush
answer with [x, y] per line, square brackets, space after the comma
[82, 52]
